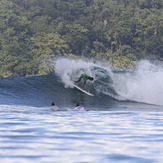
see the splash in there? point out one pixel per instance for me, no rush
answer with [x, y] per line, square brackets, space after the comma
[69, 70]
[143, 85]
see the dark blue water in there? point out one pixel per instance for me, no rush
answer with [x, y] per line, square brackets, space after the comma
[42, 90]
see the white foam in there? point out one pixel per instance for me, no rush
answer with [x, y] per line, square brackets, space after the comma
[70, 70]
[143, 85]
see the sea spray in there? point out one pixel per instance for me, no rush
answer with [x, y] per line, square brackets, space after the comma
[70, 70]
[144, 85]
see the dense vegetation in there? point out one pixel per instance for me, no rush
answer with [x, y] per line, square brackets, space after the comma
[33, 32]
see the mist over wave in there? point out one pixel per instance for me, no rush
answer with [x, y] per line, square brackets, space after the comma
[143, 85]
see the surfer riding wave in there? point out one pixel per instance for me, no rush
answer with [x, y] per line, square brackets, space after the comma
[85, 77]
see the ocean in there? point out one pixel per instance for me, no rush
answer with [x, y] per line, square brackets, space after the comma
[123, 124]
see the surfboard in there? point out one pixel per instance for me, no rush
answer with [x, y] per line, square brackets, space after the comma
[84, 91]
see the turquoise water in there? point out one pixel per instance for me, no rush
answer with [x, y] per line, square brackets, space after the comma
[34, 134]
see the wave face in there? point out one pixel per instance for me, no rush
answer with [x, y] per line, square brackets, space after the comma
[144, 85]
[41, 91]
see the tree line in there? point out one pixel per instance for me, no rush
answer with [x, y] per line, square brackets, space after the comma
[120, 32]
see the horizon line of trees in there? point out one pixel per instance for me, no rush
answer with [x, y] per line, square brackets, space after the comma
[120, 32]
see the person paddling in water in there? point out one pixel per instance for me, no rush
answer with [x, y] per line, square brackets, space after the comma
[54, 107]
[85, 77]
[80, 108]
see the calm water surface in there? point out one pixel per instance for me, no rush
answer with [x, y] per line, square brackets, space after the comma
[39, 135]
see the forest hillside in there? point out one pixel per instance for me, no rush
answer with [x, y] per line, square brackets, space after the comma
[120, 32]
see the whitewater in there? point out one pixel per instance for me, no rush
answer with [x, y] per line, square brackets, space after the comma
[123, 124]
[142, 85]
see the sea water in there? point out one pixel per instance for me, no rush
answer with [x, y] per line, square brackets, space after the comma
[124, 122]
[29, 135]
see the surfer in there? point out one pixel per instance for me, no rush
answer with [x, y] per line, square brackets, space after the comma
[80, 108]
[54, 107]
[85, 77]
